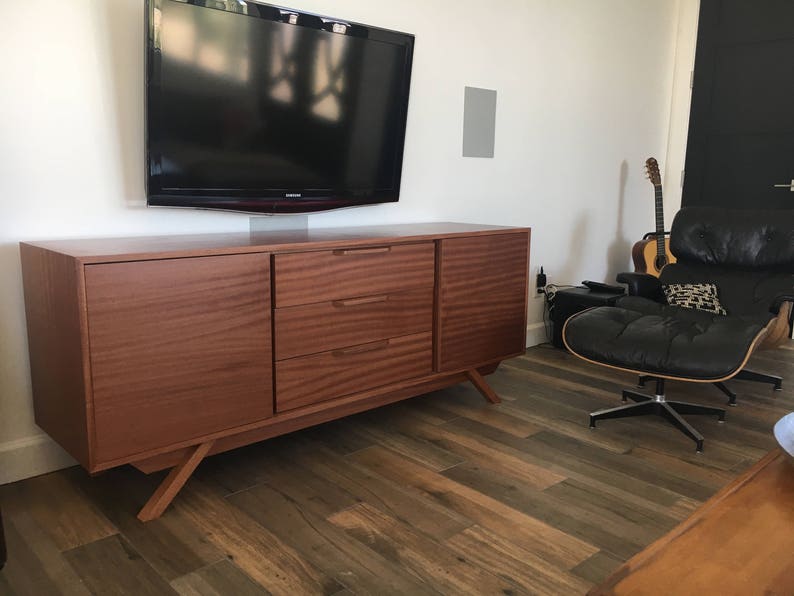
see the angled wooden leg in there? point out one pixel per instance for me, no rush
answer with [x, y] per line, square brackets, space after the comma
[173, 483]
[482, 386]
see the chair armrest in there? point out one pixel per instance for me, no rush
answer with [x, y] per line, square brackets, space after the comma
[642, 284]
[779, 301]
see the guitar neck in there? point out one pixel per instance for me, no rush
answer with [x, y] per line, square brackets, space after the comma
[659, 220]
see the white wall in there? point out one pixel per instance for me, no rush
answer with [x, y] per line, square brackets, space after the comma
[584, 97]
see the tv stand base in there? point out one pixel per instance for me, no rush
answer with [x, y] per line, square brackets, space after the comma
[179, 474]
[173, 483]
[482, 386]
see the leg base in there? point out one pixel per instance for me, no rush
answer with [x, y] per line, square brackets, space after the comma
[726, 390]
[173, 483]
[670, 410]
[482, 386]
[751, 375]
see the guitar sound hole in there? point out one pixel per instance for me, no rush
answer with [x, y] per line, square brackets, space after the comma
[660, 261]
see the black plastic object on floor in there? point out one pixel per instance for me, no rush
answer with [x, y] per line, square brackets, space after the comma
[569, 301]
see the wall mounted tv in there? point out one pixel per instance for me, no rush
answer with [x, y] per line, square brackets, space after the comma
[257, 108]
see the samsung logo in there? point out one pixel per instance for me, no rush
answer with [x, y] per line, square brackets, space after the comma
[293, 195]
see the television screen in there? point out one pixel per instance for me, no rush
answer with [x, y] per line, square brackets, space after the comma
[257, 108]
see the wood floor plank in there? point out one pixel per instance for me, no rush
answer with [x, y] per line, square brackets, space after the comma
[528, 532]
[112, 566]
[429, 560]
[43, 560]
[427, 408]
[511, 463]
[597, 568]
[341, 436]
[623, 488]
[174, 548]
[60, 508]
[29, 550]
[618, 464]
[496, 417]
[240, 469]
[611, 532]
[220, 579]
[353, 565]
[421, 513]
[531, 573]
[416, 448]
[263, 556]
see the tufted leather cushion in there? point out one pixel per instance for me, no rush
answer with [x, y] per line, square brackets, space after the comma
[743, 239]
[651, 338]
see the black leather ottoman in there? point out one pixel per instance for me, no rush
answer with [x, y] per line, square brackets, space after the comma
[672, 339]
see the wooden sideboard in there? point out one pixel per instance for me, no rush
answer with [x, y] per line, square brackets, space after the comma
[159, 351]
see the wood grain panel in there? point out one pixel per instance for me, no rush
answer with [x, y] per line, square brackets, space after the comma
[482, 299]
[311, 277]
[179, 348]
[312, 328]
[57, 346]
[312, 379]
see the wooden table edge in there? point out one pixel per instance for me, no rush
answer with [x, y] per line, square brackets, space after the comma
[648, 554]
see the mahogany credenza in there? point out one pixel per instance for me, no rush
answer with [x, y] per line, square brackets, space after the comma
[159, 351]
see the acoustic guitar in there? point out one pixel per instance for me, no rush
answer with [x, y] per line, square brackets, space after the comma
[652, 253]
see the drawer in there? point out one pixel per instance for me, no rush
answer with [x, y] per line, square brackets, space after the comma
[312, 328]
[311, 277]
[320, 377]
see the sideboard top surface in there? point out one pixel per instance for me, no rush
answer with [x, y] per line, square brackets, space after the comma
[98, 250]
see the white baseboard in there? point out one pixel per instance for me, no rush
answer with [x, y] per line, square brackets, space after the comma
[536, 334]
[31, 456]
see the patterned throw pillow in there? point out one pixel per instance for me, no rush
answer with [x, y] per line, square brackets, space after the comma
[698, 296]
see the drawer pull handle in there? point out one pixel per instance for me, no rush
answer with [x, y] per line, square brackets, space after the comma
[361, 251]
[362, 349]
[360, 301]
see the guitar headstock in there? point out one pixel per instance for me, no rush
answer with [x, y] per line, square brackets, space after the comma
[652, 170]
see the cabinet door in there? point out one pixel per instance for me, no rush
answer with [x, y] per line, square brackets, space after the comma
[179, 348]
[482, 300]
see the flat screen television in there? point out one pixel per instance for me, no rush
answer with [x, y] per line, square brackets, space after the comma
[257, 108]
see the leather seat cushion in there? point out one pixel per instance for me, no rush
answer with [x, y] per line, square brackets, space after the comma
[646, 337]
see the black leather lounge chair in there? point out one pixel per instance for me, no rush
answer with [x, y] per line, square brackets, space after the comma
[749, 257]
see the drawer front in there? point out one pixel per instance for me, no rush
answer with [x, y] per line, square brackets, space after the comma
[311, 277]
[320, 377]
[313, 328]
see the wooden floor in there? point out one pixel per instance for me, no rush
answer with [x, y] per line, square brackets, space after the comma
[439, 494]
